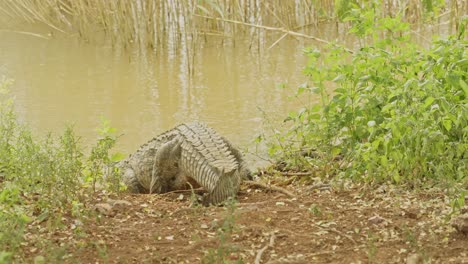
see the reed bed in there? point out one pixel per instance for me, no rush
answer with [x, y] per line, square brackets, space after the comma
[160, 22]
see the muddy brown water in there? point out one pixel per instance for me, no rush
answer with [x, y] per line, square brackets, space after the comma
[231, 85]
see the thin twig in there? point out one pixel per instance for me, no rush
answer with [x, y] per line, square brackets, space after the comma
[341, 234]
[289, 32]
[260, 252]
[306, 173]
[319, 186]
[327, 252]
[197, 191]
[270, 187]
[277, 41]
[25, 33]
[338, 233]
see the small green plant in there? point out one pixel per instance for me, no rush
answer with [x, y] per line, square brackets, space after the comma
[371, 246]
[315, 210]
[194, 202]
[100, 167]
[224, 249]
[102, 251]
[43, 179]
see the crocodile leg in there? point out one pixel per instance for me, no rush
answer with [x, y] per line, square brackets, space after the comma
[166, 166]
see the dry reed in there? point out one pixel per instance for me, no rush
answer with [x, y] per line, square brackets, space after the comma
[175, 22]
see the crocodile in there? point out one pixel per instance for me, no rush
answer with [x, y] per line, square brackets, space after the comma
[189, 153]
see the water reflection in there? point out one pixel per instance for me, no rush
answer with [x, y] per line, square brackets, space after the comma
[65, 80]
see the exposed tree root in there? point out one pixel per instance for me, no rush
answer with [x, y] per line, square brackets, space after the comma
[260, 252]
[270, 187]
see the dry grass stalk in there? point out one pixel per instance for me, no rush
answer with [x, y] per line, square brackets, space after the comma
[166, 22]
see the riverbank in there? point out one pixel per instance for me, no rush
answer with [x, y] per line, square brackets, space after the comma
[323, 223]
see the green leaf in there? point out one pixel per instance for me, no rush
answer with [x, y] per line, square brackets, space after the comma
[314, 116]
[300, 90]
[117, 157]
[384, 160]
[43, 216]
[25, 218]
[447, 124]
[4, 256]
[428, 101]
[396, 177]
[464, 87]
[315, 108]
[335, 151]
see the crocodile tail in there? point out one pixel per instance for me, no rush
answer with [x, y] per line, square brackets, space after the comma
[245, 173]
[194, 165]
[207, 158]
[227, 185]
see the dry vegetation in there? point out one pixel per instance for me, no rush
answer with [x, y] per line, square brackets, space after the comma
[152, 23]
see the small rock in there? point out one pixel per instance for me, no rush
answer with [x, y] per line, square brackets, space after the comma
[412, 213]
[376, 219]
[460, 223]
[280, 203]
[464, 210]
[204, 226]
[119, 202]
[120, 205]
[104, 208]
[414, 259]
[39, 260]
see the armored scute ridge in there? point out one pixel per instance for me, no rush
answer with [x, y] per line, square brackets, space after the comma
[207, 158]
[189, 152]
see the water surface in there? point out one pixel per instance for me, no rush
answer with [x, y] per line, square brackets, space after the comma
[230, 84]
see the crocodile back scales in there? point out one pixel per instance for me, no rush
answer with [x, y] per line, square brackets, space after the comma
[207, 157]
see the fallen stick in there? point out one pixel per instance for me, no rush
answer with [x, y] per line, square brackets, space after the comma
[197, 191]
[283, 30]
[306, 173]
[270, 187]
[319, 186]
[342, 234]
[260, 252]
[337, 232]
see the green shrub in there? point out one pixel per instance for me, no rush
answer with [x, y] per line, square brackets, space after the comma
[391, 110]
[42, 179]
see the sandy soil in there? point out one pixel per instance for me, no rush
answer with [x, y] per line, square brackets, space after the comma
[321, 224]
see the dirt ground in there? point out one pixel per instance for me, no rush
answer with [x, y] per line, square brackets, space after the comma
[321, 224]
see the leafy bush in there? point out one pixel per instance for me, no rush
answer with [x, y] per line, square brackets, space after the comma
[390, 111]
[44, 179]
